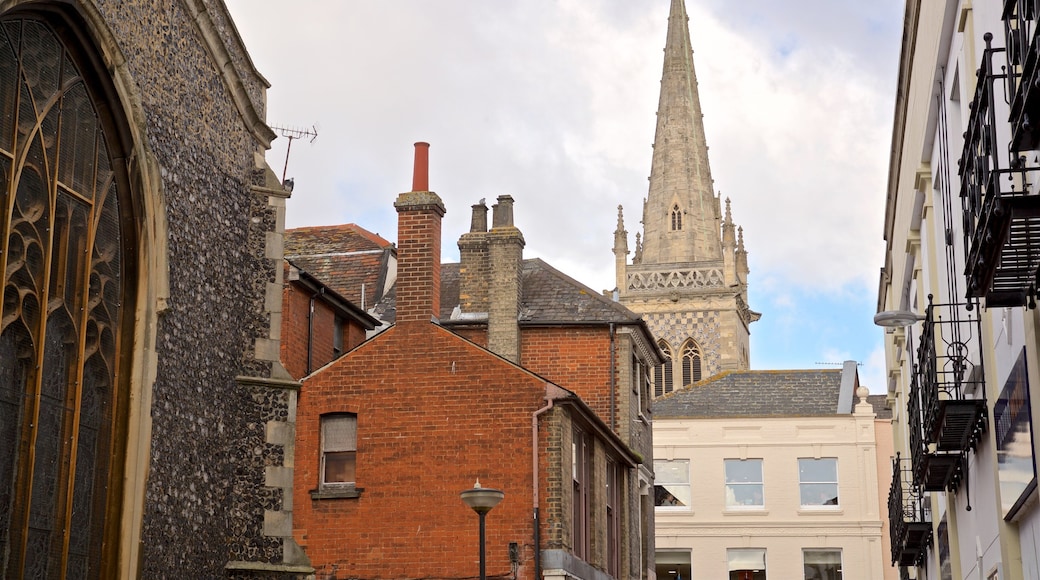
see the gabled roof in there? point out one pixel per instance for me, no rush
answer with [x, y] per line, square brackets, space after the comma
[755, 394]
[344, 257]
[547, 296]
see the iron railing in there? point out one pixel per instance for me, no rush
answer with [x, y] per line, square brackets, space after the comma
[910, 526]
[1001, 219]
[1021, 35]
[951, 377]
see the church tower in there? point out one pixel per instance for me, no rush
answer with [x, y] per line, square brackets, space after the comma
[688, 275]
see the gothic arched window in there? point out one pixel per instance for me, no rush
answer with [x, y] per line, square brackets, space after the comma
[676, 218]
[691, 363]
[67, 303]
[663, 371]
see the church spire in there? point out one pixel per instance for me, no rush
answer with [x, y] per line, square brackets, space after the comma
[681, 218]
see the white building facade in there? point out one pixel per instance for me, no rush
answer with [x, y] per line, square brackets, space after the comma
[771, 475]
[958, 291]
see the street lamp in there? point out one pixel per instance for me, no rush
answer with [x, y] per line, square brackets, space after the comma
[896, 318]
[481, 500]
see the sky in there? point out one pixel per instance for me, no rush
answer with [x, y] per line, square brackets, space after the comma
[553, 102]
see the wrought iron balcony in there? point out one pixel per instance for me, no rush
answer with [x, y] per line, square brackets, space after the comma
[931, 470]
[910, 526]
[951, 378]
[1023, 56]
[1001, 217]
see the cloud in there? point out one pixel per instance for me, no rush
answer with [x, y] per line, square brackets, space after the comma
[553, 102]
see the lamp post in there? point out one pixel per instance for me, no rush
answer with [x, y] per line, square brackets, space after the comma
[481, 500]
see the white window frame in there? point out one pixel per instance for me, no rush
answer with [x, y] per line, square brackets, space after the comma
[683, 466]
[803, 483]
[805, 564]
[733, 501]
[735, 557]
[334, 447]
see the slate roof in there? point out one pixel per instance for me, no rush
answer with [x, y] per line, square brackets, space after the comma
[547, 296]
[344, 257]
[804, 393]
[881, 406]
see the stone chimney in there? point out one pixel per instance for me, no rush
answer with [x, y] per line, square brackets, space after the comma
[419, 214]
[474, 268]
[505, 253]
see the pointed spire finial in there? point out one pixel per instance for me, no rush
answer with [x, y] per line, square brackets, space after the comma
[620, 235]
[679, 169]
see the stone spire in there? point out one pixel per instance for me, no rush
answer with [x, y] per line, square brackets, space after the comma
[620, 249]
[681, 218]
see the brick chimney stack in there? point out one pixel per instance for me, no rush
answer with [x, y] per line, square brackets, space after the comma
[419, 214]
[474, 270]
[505, 252]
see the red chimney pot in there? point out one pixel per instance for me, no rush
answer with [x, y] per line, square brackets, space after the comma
[421, 169]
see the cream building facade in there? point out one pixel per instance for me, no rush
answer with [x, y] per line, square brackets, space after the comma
[772, 474]
[958, 291]
[688, 274]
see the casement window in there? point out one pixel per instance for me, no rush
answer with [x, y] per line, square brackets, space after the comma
[67, 230]
[672, 484]
[744, 488]
[691, 363]
[581, 473]
[822, 564]
[663, 371]
[746, 563]
[818, 482]
[338, 450]
[613, 497]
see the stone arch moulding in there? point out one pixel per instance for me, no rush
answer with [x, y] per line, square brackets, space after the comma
[119, 93]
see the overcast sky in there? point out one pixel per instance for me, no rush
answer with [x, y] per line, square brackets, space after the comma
[553, 102]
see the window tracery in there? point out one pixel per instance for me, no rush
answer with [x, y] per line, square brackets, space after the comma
[63, 317]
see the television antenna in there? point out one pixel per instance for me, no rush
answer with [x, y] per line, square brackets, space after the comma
[292, 133]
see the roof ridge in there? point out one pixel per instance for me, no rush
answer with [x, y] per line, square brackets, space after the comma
[619, 307]
[353, 227]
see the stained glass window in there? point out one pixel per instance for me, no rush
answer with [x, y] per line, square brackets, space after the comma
[64, 306]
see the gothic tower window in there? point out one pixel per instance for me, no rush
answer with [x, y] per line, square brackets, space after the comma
[676, 218]
[663, 371]
[65, 320]
[691, 363]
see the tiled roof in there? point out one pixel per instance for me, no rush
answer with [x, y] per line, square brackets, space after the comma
[344, 257]
[547, 296]
[337, 239]
[881, 407]
[755, 394]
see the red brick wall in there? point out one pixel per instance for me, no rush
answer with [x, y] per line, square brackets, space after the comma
[478, 336]
[296, 332]
[295, 305]
[434, 413]
[577, 359]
